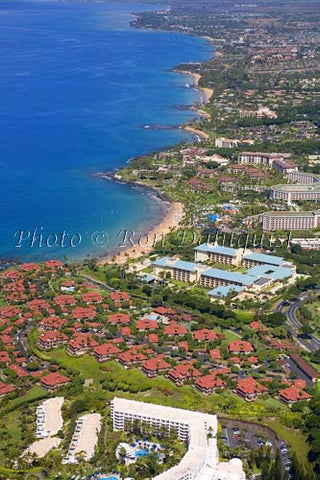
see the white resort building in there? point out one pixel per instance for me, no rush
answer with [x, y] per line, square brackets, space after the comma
[198, 430]
[84, 439]
[49, 417]
[272, 269]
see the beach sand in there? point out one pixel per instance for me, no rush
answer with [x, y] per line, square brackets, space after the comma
[208, 92]
[170, 220]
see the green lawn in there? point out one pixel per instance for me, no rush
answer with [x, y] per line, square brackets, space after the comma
[230, 336]
[294, 438]
[243, 316]
[35, 393]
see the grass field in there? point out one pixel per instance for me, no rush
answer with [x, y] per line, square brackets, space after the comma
[295, 439]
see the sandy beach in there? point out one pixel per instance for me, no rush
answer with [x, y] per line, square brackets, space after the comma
[145, 241]
[197, 132]
[208, 92]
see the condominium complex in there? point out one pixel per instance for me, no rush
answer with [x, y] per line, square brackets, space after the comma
[298, 192]
[178, 269]
[277, 161]
[303, 177]
[306, 187]
[198, 430]
[273, 221]
[217, 253]
[256, 279]
[222, 142]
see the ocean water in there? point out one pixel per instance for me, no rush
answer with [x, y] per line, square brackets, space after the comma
[77, 87]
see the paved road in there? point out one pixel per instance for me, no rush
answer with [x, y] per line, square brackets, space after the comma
[312, 344]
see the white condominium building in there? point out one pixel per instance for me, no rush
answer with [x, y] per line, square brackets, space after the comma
[198, 430]
[273, 221]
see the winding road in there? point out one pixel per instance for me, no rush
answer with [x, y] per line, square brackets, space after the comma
[312, 344]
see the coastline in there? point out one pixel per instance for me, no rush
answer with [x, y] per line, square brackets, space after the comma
[146, 239]
[171, 215]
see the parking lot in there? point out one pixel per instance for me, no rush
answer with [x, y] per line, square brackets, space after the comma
[247, 437]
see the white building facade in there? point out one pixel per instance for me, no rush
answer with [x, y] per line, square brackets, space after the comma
[198, 430]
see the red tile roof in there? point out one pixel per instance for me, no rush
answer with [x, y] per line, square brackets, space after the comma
[153, 338]
[175, 329]
[52, 323]
[119, 296]
[131, 356]
[146, 324]
[92, 297]
[184, 371]
[9, 311]
[83, 313]
[53, 264]
[205, 334]
[52, 336]
[258, 327]
[209, 382]
[119, 319]
[82, 341]
[215, 354]
[126, 331]
[54, 379]
[249, 386]
[253, 360]
[64, 300]
[155, 364]
[29, 267]
[38, 304]
[4, 357]
[107, 349]
[18, 370]
[164, 310]
[5, 389]
[240, 346]
[183, 345]
[294, 394]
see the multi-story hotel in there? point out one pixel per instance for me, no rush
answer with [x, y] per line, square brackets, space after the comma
[197, 430]
[278, 161]
[273, 221]
[214, 277]
[179, 270]
[277, 268]
[303, 177]
[252, 259]
[222, 142]
[217, 253]
[290, 193]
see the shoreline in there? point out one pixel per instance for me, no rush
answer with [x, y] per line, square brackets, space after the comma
[145, 240]
[172, 214]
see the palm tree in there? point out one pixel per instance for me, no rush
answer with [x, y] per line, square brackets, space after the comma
[122, 455]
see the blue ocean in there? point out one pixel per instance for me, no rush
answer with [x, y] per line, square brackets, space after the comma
[78, 85]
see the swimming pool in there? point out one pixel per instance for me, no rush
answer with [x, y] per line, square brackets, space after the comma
[142, 452]
[109, 478]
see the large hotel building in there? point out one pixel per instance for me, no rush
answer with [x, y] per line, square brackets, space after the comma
[273, 221]
[306, 187]
[277, 161]
[198, 430]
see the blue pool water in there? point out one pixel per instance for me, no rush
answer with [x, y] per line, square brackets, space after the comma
[77, 87]
[141, 453]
